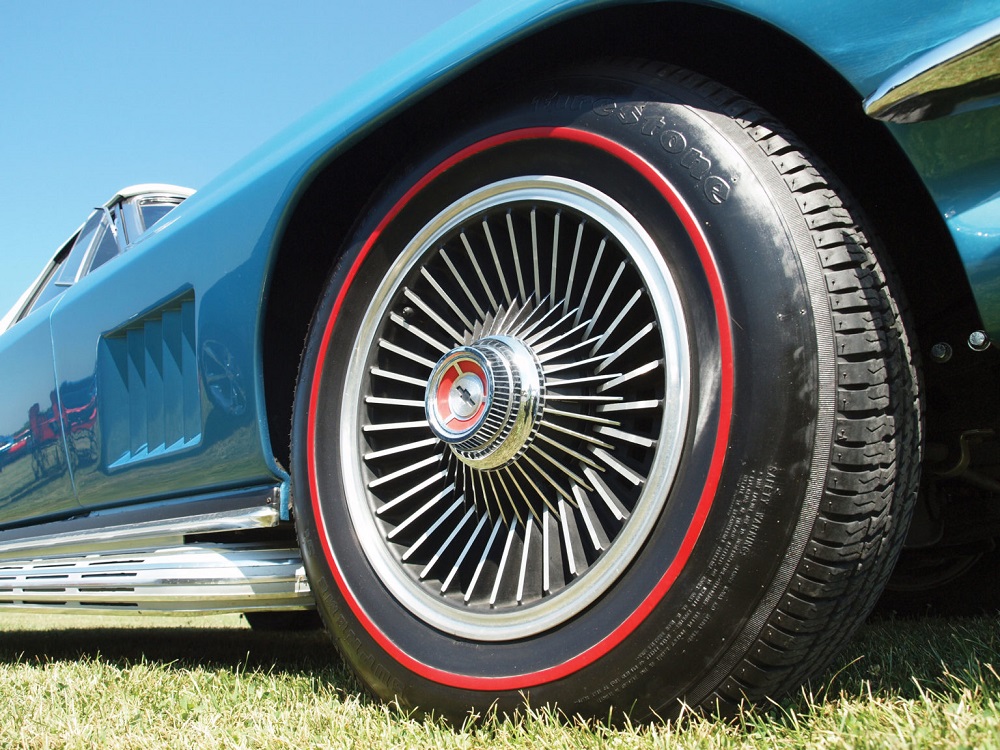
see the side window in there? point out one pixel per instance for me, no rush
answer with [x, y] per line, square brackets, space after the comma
[153, 211]
[49, 290]
[71, 267]
[103, 236]
[95, 246]
[106, 246]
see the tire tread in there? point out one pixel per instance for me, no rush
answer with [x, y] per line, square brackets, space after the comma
[875, 455]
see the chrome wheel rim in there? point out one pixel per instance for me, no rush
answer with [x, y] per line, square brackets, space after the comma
[500, 497]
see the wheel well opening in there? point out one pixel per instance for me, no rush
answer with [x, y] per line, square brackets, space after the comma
[309, 249]
[752, 57]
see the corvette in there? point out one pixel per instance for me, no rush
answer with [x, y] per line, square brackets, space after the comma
[606, 355]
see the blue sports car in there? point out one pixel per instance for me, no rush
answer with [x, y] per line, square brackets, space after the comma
[599, 354]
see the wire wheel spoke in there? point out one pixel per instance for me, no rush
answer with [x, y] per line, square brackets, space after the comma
[553, 423]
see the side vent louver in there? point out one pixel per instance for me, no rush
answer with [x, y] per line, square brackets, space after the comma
[148, 385]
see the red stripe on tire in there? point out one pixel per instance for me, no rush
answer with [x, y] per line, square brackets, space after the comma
[615, 637]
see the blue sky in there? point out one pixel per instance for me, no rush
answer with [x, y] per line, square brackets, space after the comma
[97, 96]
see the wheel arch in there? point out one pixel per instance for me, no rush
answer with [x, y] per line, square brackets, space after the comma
[787, 78]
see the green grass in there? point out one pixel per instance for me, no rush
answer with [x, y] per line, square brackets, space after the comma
[83, 682]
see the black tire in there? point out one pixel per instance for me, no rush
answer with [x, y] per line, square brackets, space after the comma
[723, 534]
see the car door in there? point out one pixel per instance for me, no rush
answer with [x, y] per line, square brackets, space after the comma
[35, 479]
[35, 467]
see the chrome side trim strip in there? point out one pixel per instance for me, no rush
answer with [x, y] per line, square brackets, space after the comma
[943, 80]
[193, 579]
[170, 531]
[162, 525]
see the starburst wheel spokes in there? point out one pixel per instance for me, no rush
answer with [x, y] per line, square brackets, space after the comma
[522, 396]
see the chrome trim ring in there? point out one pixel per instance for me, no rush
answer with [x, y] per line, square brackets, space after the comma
[503, 530]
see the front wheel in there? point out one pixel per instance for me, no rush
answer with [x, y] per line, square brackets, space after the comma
[607, 405]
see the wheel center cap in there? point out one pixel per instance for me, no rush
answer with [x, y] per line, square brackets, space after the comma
[467, 394]
[458, 394]
[485, 400]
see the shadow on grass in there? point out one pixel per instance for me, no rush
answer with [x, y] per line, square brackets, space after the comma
[890, 658]
[184, 646]
[912, 658]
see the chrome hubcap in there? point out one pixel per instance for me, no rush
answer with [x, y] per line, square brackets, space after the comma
[520, 396]
[485, 401]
